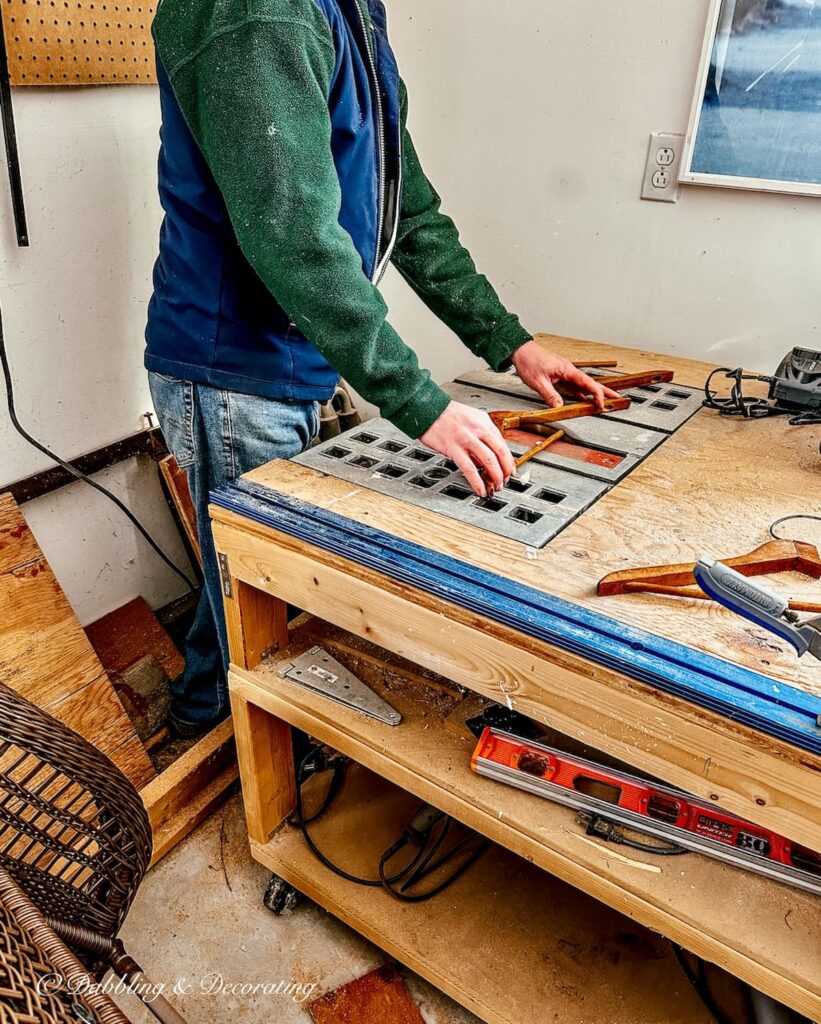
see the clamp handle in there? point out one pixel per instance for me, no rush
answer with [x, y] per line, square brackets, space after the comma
[747, 599]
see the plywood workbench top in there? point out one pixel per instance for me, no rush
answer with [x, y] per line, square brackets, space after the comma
[712, 489]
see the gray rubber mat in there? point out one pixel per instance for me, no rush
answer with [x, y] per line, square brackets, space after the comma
[530, 510]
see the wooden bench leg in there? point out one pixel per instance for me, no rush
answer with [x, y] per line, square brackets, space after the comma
[257, 626]
[266, 768]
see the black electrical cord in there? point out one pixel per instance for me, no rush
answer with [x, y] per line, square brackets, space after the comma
[430, 868]
[67, 466]
[787, 519]
[435, 847]
[602, 828]
[749, 407]
[322, 763]
[417, 834]
[660, 851]
[698, 979]
[301, 821]
[738, 404]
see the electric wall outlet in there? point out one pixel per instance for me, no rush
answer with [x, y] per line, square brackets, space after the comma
[662, 168]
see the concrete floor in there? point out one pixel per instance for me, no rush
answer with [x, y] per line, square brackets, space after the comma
[199, 918]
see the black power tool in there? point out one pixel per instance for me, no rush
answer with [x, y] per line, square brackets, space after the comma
[796, 385]
[794, 390]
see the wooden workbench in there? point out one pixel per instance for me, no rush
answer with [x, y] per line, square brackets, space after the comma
[713, 488]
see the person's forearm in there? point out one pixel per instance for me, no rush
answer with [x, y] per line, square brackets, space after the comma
[256, 100]
[441, 271]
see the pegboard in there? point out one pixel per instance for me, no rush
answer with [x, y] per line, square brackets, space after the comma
[79, 42]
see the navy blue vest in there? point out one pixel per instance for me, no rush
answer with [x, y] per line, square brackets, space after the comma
[211, 319]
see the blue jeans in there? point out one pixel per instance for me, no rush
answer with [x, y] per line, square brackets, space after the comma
[216, 436]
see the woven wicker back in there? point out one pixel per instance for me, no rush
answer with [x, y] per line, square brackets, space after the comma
[73, 831]
[23, 966]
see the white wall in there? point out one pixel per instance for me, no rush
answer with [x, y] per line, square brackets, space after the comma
[531, 117]
[74, 310]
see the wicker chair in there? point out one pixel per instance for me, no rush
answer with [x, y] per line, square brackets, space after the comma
[75, 843]
[41, 980]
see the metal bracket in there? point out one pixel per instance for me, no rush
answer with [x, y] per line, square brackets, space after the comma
[225, 574]
[316, 670]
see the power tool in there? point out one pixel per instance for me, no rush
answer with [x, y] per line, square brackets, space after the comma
[794, 390]
[796, 385]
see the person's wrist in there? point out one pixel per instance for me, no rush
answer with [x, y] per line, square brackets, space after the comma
[422, 410]
[505, 341]
[510, 361]
[520, 352]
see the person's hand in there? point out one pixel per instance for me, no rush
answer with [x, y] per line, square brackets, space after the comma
[469, 438]
[542, 369]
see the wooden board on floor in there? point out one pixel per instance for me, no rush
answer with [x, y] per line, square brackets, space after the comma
[380, 996]
[507, 941]
[766, 933]
[191, 788]
[129, 633]
[47, 658]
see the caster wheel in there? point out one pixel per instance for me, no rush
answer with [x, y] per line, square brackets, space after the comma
[280, 897]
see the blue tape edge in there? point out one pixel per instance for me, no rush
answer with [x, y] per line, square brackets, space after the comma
[738, 693]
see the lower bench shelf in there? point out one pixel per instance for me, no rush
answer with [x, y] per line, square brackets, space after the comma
[765, 933]
[507, 941]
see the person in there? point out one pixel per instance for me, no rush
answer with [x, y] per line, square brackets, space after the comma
[289, 181]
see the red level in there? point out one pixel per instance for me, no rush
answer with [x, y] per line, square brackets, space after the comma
[649, 807]
[569, 449]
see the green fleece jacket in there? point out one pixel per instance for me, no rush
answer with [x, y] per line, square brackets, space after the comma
[238, 65]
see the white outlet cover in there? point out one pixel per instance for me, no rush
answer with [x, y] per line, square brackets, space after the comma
[662, 167]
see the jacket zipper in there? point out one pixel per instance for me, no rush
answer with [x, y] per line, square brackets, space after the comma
[379, 264]
[395, 233]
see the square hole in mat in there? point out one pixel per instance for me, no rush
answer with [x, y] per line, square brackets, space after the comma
[394, 447]
[363, 461]
[524, 515]
[519, 486]
[336, 451]
[455, 491]
[389, 470]
[365, 438]
[490, 504]
[554, 497]
[419, 455]
[422, 481]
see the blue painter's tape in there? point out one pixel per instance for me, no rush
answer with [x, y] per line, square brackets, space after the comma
[736, 692]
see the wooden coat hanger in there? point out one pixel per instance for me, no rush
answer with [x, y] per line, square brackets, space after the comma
[678, 580]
